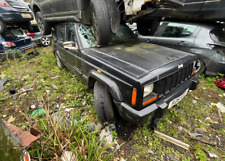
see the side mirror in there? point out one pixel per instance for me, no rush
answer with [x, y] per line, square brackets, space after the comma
[70, 45]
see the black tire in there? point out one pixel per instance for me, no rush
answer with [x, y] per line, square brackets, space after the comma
[103, 103]
[59, 62]
[200, 66]
[147, 28]
[45, 41]
[101, 22]
[3, 27]
[43, 26]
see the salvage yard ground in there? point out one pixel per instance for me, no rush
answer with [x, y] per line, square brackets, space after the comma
[63, 109]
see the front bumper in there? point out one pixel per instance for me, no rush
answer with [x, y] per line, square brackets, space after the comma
[157, 109]
[28, 49]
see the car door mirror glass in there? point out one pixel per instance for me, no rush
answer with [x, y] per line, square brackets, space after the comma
[70, 45]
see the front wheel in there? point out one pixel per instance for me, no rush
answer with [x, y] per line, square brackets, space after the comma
[43, 25]
[45, 41]
[103, 103]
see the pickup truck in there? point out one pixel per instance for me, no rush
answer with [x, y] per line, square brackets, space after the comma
[137, 80]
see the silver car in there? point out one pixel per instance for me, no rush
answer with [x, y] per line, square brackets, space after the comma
[38, 37]
[206, 41]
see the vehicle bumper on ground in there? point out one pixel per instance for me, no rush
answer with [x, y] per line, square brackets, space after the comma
[157, 109]
[28, 49]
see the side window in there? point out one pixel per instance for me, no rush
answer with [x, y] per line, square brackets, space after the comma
[70, 41]
[70, 34]
[179, 30]
[61, 33]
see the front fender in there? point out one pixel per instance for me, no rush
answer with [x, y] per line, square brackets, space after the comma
[109, 83]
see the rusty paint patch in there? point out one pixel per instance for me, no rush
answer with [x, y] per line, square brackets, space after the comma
[26, 138]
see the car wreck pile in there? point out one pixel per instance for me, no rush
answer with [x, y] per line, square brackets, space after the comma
[104, 15]
[150, 87]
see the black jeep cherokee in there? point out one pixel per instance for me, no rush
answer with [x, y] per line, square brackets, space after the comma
[138, 80]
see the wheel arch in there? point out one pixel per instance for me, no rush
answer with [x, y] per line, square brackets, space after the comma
[36, 9]
[109, 83]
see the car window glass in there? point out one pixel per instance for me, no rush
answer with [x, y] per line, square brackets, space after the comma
[13, 34]
[17, 32]
[179, 30]
[61, 33]
[123, 35]
[218, 34]
[70, 41]
[70, 33]
[87, 37]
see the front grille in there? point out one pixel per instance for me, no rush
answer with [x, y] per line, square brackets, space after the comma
[165, 85]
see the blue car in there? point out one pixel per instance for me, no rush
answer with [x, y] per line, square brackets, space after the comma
[16, 13]
[14, 39]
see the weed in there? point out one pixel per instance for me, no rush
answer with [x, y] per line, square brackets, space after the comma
[200, 155]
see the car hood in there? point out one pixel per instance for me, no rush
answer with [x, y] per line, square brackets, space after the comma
[136, 58]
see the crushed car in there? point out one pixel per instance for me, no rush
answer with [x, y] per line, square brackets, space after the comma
[14, 40]
[104, 15]
[14, 13]
[137, 80]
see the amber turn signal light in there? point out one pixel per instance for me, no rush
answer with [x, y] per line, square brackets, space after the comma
[134, 97]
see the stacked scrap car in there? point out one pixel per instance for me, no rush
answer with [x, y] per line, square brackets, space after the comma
[14, 13]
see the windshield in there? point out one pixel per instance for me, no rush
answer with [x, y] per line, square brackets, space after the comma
[86, 36]
[218, 34]
[11, 34]
[88, 40]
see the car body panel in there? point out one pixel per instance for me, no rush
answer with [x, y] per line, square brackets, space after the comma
[209, 11]
[134, 57]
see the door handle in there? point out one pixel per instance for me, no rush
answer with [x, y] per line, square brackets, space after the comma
[182, 43]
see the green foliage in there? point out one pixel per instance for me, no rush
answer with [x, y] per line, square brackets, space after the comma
[200, 155]
[59, 133]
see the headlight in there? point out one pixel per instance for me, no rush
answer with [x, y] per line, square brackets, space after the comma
[148, 89]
